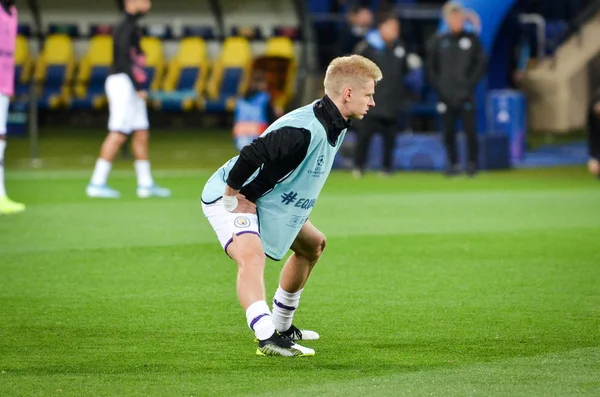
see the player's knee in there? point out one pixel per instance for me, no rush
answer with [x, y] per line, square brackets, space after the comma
[318, 248]
[140, 139]
[138, 145]
[594, 166]
[322, 244]
[251, 261]
[114, 141]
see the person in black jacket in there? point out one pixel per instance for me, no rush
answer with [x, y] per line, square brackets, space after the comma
[360, 21]
[127, 108]
[456, 63]
[384, 47]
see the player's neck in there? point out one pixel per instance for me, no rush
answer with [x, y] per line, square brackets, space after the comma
[131, 11]
[341, 108]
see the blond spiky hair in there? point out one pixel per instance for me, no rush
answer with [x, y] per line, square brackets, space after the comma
[343, 72]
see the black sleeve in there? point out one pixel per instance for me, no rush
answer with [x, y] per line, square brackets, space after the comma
[432, 63]
[275, 146]
[122, 41]
[479, 63]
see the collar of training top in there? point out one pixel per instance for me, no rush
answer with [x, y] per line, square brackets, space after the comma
[132, 17]
[7, 6]
[331, 118]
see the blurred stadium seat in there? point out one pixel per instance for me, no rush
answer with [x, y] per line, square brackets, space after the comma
[186, 77]
[102, 29]
[155, 62]
[251, 33]
[54, 71]
[70, 29]
[160, 31]
[282, 47]
[92, 73]
[24, 30]
[23, 66]
[427, 105]
[204, 32]
[292, 32]
[230, 74]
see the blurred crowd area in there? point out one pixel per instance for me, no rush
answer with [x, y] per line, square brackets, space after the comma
[201, 59]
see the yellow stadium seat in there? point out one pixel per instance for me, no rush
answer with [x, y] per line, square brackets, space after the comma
[93, 70]
[230, 74]
[283, 47]
[185, 79]
[54, 71]
[23, 66]
[280, 47]
[155, 62]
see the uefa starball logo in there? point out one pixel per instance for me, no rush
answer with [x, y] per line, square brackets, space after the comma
[318, 170]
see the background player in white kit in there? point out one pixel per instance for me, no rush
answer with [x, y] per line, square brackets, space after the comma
[127, 108]
[8, 37]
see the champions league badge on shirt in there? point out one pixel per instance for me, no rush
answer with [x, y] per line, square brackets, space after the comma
[318, 170]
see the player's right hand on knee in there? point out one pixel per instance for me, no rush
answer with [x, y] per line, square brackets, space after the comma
[244, 206]
[143, 94]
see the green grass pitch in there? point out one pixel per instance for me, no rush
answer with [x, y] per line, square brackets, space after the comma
[428, 287]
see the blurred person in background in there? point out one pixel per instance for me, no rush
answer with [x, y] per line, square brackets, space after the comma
[8, 39]
[594, 135]
[385, 47]
[456, 62]
[359, 23]
[127, 108]
[253, 112]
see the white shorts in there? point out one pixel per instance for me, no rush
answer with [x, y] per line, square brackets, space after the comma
[226, 224]
[4, 103]
[127, 111]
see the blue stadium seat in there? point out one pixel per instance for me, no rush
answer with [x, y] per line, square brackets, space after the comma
[24, 30]
[92, 73]
[54, 82]
[155, 62]
[71, 29]
[185, 78]
[94, 95]
[427, 106]
[23, 67]
[203, 32]
[54, 71]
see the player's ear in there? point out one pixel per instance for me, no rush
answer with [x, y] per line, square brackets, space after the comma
[347, 93]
